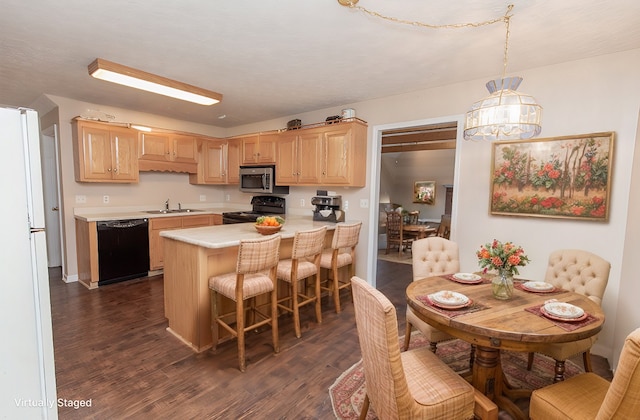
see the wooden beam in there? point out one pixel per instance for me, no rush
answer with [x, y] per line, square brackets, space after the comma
[441, 145]
[419, 137]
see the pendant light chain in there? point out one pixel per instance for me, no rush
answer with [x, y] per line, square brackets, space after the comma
[505, 18]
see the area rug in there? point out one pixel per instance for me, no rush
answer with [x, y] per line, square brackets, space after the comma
[348, 391]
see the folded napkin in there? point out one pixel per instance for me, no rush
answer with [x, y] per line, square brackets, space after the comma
[565, 325]
[452, 313]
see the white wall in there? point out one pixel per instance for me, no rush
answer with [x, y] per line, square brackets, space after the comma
[594, 95]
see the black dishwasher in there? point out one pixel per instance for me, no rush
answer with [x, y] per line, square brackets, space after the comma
[123, 250]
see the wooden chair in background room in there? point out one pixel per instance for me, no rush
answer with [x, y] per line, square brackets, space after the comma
[432, 256]
[413, 384]
[395, 236]
[303, 264]
[589, 396]
[412, 217]
[581, 272]
[255, 257]
[342, 254]
[444, 229]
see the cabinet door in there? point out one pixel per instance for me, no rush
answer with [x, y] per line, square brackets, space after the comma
[309, 158]
[154, 146]
[213, 155]
[287, 160]
[233, 161]
[336, 149]
[267, 147]
[124, 155]
[156, 250]
[96, 153]
[250, 150]
[184, 149]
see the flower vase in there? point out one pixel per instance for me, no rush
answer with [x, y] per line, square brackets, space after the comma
[502, 285]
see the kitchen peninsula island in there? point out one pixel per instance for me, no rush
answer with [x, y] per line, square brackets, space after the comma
[191, 256]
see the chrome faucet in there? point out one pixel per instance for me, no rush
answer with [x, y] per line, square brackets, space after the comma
[179, 206]
[166, 204]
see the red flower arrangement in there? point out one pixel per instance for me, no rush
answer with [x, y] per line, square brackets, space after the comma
[502, 256]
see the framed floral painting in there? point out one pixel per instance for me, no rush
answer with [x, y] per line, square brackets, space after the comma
[563, 177]
[424, 192]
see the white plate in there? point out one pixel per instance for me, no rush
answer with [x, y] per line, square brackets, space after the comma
[563, 310]
[538, 286]
[467, 277]
[449, 298]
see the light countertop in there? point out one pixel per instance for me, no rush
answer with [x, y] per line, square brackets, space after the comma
[222, 236]
[102, 215]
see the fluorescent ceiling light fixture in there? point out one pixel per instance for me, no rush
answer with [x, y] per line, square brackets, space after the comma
[141, 128]
[128, 76]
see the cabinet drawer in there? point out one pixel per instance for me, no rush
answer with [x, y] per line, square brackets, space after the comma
[194, 221]
[166, 223]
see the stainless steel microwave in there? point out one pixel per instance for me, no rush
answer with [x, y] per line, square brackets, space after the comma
[260, 180]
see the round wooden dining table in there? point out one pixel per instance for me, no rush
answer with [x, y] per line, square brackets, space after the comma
[493, 325]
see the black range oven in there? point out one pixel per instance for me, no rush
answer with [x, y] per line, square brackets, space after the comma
[262, 205]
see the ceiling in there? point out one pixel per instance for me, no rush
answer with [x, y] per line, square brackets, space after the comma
[277, 58]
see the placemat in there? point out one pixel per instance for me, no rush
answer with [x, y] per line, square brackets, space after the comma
[452, 313]
[519, 285]
[485, 280]
[567, 326]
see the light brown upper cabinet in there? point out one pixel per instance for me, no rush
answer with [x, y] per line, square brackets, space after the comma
[333, 154]
[167, 152]
[219, 162]
[298, 157]
[104, 153]
[259, 149]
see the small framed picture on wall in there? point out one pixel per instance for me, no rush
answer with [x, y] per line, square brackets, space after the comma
[424, 192]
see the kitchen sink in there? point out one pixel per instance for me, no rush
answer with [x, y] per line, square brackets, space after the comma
[172, 211]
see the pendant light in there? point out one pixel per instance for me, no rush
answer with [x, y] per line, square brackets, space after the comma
[505, 114]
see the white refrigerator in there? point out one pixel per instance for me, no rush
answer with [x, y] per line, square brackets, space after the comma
[27, 372]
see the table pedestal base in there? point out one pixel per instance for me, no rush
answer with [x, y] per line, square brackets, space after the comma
[489, 379]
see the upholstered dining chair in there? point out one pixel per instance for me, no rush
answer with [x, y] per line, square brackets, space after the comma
[255, 275]
[395, 236]
[581, 272]
[341, 254]
[303, 264]
[432, 256]
[588, 396]
[413, 384]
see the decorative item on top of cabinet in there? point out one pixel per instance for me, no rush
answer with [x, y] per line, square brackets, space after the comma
[167, 152]
[104, 152]
[219, 162]
[259, 148]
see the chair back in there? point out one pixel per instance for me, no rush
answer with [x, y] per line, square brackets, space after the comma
[434, 256]
[377, 326]
[346, 235]
[444, 229]
[308, 243]
[413, 217]
[258, 254]
[578, 271]
[394, 226]
[622, 400]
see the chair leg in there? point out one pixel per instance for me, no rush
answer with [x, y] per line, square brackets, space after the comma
[433, 346]
[274, 320]
[559, 371]
[295, 307]
[336, 290]
[530, 361]
[240, 332]
[318, 301]
[407, 335]
[365, 407]
[214, 319]
[586, 359]
[472, 357]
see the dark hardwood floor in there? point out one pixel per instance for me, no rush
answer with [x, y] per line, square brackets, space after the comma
[111, 347]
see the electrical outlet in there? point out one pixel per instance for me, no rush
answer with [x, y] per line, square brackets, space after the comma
[302, 202]
[81, 199]
[345, 205]
[203, 197]
[227, 197]
[105, 199]
[364, 203]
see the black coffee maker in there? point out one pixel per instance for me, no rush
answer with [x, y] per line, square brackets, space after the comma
[328, 208]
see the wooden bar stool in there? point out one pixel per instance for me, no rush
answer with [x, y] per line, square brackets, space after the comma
[341, 254]
[255, 275]
[304, 263]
